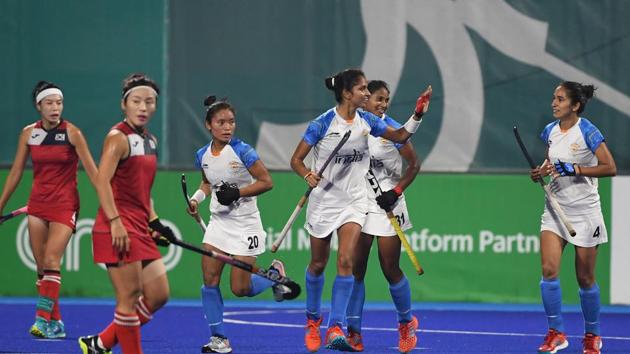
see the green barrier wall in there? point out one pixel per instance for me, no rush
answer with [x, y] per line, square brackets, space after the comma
[476, 236]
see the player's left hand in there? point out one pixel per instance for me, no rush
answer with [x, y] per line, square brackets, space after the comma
[162, 235]
[387, 199]
[565, 168]
[228, 193]
[422, 104]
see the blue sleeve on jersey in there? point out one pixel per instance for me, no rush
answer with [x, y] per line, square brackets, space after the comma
[377, 125]
[394, 124]
[244, 151]
[544, 136]
[317, 128]
[199, 155]
[592, 136]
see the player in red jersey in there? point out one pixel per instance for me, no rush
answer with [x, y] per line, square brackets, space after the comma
[55, 146]
[121, 237]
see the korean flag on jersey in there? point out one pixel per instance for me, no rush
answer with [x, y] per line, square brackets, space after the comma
[577, 194]
[343, 181]
[230, 165]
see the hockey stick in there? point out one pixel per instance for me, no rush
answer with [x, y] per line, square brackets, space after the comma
[14, 213]
[294, 287]
[197, 217]
[392, 219]
[304, 198]
[552, 199]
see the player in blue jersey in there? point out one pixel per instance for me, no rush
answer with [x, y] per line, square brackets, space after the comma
[233, 174]
[577, 156]
[387, 167]
[340, 202]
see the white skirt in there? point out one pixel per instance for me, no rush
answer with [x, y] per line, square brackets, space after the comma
[377, 223]
[321, 221]
[239, 236]
[590, 228]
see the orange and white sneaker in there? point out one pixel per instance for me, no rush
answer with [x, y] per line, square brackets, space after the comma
[336, 339]
[554, 341]
[407, 339]
[355, 341]
[592, 344]
[312, 338]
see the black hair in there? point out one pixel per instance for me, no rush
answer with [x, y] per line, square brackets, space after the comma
[376, 85]
[41, 86]
[344, 80]
[213, 106]
[578, 93]
[138, 79]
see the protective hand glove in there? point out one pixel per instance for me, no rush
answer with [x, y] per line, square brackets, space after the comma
[422, 104]
[387, 199]
[228, 193]
[565, 168]
[166, 235]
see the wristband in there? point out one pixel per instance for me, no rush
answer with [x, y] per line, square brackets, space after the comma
[412, 125]
[308, 174]
[398, 190]
[114, 218]
[199, 196]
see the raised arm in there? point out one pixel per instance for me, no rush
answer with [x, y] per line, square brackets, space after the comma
[403, 133]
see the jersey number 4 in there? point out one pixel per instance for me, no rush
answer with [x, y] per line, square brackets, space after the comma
[596, 233]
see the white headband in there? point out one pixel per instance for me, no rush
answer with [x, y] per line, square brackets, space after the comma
[48, 92]
[138, 87]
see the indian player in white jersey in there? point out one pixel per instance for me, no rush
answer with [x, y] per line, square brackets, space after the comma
[387, 167]
[233, 175]
[577, 156]
[340, 200]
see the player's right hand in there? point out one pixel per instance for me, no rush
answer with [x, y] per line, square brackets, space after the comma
[312, 179]
[120, 239]
[194, 208]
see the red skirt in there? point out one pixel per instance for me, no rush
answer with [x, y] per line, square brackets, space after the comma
[66, 217]
[141, 248]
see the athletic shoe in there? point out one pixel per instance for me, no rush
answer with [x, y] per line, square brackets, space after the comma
[592, 344]
[278, 289]
[56, 329]
[312, 338]
[355, 341]
[39, 328]
[89, 345]
[554, 341]
[407, 339]
[217, 345]
[336, 340]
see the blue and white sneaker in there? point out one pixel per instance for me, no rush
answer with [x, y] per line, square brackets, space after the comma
[278, 289]
[40, 328]
[56, 329]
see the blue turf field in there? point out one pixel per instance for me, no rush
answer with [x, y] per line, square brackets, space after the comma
[263, 327]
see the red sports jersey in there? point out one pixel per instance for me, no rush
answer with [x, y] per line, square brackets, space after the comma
[55, 161]
[131, 186]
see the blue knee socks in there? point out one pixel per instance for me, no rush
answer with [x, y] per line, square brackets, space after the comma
[355, 306]
[212, 303]
[401, 294]
[551, 294]
[589, 299]
[342, 288]
[314, 288]
[258, 284]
